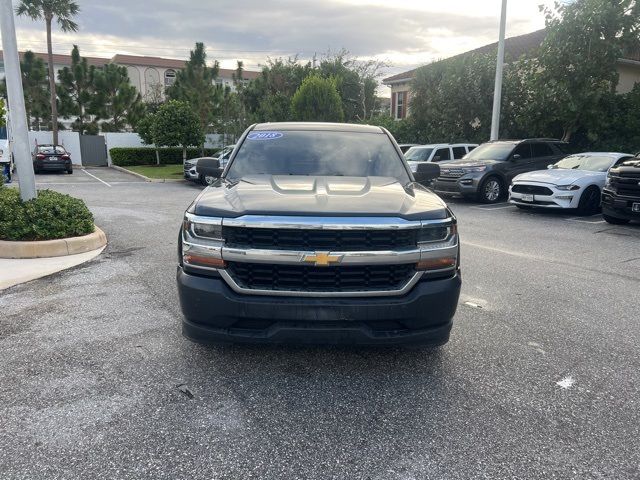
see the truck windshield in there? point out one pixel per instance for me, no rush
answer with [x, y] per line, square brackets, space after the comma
[318, 153]
[490, 151]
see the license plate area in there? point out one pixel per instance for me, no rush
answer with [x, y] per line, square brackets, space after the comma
[528, 197]
[52, 159]
[635, 207]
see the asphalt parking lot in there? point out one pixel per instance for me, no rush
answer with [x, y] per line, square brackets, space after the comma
[541, 378]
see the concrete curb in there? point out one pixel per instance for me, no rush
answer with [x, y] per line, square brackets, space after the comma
[139, 175]
[147, 179]
[53, 248]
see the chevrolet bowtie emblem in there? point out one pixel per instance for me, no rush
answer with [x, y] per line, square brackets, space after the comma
[322, 259]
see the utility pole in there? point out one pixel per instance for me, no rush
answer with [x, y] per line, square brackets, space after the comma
[17, 112]
[497, 92]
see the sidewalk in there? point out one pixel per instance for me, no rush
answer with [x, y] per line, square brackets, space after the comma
[15, 271]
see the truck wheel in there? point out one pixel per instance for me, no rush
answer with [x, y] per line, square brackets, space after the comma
[70, 171]
[589, 201]
[615, 220]
[491, 190]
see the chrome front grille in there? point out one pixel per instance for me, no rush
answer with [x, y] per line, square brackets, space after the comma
[451, 172]
[319, 256]
[305, 239]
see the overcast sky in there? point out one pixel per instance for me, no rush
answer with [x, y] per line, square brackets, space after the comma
[405, 33]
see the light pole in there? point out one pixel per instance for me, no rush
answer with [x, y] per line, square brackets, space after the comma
[17, 112]
[497, 92]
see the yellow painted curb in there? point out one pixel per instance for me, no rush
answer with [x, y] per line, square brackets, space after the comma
[53, 248]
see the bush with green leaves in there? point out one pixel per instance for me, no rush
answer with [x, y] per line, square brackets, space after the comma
[50, 216]
[125, 156]
[317, 100]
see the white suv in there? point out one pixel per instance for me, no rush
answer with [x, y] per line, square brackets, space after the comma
[437, 152]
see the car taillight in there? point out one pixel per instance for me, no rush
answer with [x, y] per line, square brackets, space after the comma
[40, 156]
[65, 156]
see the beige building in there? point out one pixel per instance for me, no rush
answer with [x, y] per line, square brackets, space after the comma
[144, 72]
[400, 84]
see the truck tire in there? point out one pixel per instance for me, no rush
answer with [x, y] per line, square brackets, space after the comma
[491, 190]
[589, 201]
[615, 220]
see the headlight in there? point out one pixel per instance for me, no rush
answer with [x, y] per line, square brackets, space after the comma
[436, 233]
[568, 187]
[607, 182]
[479, 168]
[203, 227]
[439, 248]
[202, 242]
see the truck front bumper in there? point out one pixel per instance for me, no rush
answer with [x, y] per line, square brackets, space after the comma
[216, 314]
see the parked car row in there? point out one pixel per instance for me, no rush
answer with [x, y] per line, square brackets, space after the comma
[190, 166]
[537, 173]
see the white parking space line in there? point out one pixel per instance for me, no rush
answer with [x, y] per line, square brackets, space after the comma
[497, 206]
[91, 175]
[597, 218]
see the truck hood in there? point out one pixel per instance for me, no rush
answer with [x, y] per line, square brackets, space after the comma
[319, 196]
[558, 176]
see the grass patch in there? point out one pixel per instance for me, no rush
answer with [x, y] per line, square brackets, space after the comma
[160, 172]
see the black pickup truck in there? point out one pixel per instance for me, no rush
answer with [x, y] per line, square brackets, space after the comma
[621, 193]
[318, 233]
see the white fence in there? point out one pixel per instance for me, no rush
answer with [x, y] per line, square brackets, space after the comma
[71, 141]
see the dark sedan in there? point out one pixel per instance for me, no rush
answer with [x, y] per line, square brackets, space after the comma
[50, 158]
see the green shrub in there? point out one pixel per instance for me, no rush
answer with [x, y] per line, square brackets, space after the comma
[124, 157]
[49, 216]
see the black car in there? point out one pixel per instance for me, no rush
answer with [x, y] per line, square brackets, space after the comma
[318, 233]
[485, 173]
[51, 158]
[621, 193]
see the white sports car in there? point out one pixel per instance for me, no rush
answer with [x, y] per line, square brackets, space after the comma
[575, 182]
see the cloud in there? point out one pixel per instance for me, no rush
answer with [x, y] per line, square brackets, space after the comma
[406, 34]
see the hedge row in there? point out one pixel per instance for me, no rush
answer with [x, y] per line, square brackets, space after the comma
[124, 157]
[49, 216]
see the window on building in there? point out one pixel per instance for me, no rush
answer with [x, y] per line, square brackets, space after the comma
[400, 101]
[169, 78]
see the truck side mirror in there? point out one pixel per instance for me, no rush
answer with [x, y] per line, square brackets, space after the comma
[209, 167]
[516, 156]
[426, 171]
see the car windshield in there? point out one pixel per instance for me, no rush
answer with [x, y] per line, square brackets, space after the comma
[322, 153]
[490, 151]
[49, 149]
[586, 162]
[418, 154]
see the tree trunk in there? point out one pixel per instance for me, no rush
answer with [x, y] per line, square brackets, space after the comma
[184, 154]
[157, 157]
[567, 133]
[52, 83]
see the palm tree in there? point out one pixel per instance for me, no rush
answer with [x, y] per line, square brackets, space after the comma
[63, 11]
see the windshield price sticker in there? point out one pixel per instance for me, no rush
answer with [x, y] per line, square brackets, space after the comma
[264, 135]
